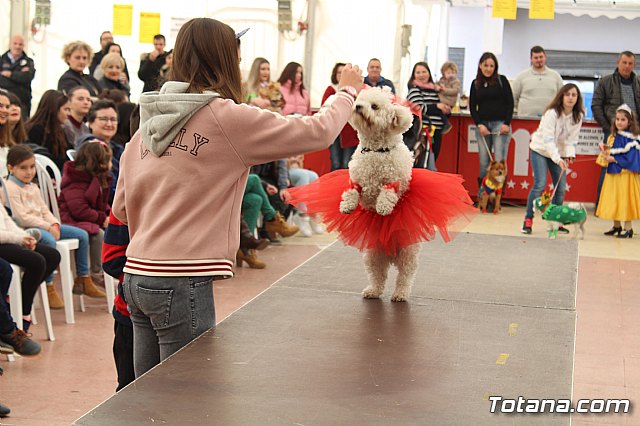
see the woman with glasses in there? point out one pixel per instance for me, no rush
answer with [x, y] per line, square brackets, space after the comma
[103, 124]
[45, 127]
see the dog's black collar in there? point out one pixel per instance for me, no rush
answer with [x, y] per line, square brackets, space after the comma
[365, 150]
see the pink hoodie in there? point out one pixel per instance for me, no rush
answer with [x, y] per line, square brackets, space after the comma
[182, 176]
[295, 102]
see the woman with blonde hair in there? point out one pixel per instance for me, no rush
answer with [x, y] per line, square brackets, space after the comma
[112, 66]
[259, 77]
[77, 55]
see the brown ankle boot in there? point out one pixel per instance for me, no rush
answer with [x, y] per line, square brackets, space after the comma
[280, 226]
[87, 287]
[248, 241]
[251, 258]
[55, 302]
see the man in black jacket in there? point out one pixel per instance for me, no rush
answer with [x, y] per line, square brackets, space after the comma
[17, 73]
[151, 63]
[106, 38]
[613, 90]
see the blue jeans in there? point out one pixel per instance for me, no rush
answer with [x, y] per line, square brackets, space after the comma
[540, 165]
[82, 253]
[498, 143]
[167, 313]
[340, 156]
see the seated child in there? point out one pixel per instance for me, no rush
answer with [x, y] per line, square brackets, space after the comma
[83, 201]
[30, 211]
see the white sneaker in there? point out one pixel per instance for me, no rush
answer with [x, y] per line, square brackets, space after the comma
[316, 227]
[303, 224]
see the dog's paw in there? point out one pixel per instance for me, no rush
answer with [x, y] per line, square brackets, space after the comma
[347, 207]
[371, 293]
[400, 294]
[398, 298]
[386, 202]
[349, 201]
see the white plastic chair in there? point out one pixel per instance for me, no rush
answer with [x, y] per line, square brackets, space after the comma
[15, 289]
[15, 299]
[71, 154]
[50, 193]
[64, 246]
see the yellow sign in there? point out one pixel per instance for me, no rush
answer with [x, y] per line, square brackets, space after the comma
[541, 9]
[122, 19]
[505, 9]
[149, 26]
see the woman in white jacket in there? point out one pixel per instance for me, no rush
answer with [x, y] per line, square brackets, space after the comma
[553, 146]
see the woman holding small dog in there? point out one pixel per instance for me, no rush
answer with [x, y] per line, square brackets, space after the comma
[620, 195]
[259, 77]
[491, 106]
[553, 146]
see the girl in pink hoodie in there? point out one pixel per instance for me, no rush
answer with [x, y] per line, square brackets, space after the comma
[295, 95]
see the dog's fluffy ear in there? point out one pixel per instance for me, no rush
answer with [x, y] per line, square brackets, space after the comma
[402, 119]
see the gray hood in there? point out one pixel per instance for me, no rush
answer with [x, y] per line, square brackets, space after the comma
[164, 113]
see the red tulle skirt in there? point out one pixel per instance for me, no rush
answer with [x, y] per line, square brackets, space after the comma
[434, 202]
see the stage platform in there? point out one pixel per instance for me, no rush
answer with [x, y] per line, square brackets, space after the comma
[489, 315]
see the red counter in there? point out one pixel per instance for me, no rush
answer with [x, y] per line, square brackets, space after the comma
[582, 176]
[459, 154]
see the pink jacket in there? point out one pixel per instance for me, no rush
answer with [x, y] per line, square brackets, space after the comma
[182, 176]
[27, 205]
[295, 102]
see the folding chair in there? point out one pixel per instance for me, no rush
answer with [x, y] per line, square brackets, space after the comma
[15, 289]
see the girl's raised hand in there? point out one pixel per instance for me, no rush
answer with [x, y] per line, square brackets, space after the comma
[351, 76]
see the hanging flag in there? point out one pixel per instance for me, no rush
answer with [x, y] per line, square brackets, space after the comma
[541, 9]
[505, 9]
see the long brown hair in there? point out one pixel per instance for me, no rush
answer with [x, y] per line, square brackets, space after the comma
[253, 81]
[94, 157]
[634, 127]
[206, 56]
[46, 116]
[480, 78]
[289, 74]
[5, 130]
[18, 132]
[557, 102]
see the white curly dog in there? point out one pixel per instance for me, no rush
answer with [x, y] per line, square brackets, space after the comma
[381, 171]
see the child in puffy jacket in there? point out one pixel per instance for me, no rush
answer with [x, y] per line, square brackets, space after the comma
[83, 200]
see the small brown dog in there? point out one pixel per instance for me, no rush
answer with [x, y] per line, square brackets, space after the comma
[492, 185]
[273, 94]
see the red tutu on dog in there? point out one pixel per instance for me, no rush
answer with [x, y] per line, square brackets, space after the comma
[434, 202]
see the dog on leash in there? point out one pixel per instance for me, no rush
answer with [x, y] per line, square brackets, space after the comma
[571, 213]
[491, 186]
[380, 171]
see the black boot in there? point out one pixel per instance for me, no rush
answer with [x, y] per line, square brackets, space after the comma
[248, 241]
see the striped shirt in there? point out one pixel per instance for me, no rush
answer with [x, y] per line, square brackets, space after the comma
[626, 88]
[428, 100]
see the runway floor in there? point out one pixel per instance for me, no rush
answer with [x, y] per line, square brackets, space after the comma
[313, 350]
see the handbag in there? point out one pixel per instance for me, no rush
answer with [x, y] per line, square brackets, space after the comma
[602, 158]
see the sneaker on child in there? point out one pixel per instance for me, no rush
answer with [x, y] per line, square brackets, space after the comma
[527, 226]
